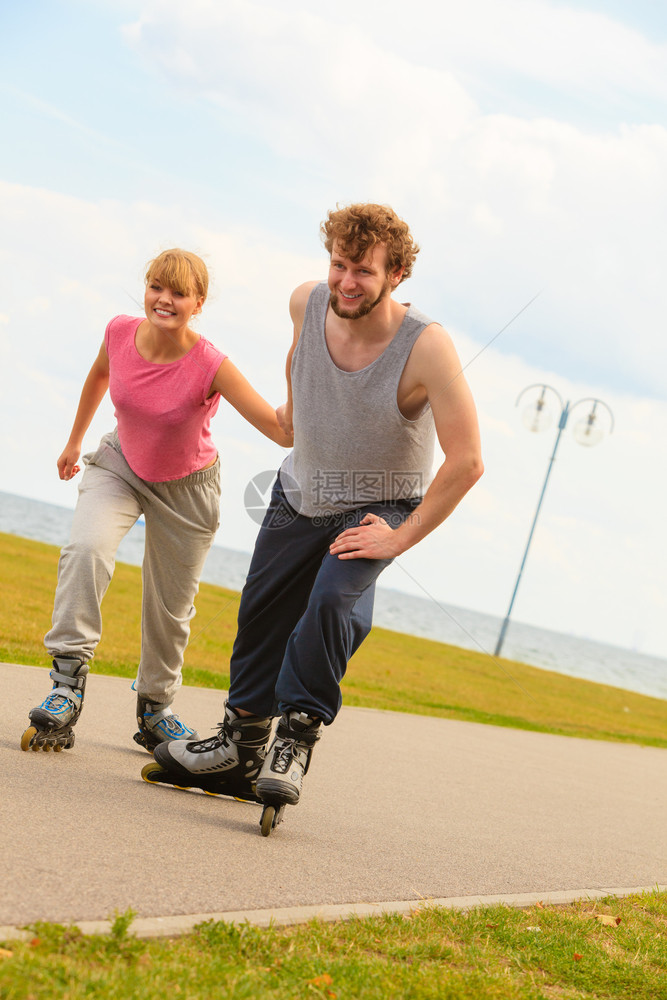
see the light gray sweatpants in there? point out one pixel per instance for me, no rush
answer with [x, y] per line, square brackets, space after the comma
[182, 517]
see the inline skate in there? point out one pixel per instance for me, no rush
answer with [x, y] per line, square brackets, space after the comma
[52, 722]
[158, 724]
[225, 764]
[287, 761]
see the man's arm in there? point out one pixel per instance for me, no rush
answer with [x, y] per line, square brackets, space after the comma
[297, 308]
[435, 366]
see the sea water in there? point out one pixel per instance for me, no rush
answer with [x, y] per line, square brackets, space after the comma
[394, 610]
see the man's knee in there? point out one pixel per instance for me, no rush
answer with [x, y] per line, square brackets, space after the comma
[333, 595]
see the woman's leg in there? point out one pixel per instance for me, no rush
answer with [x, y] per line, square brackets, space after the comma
[182, 518]
[106, 510]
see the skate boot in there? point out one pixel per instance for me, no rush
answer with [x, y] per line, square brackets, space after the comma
[225, 764]
[158, 724]
[287, 761]
[52, 721]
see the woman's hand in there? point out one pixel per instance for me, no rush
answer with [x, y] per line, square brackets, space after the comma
[284, 417]
[67, 463]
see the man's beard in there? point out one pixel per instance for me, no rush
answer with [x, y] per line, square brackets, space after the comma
[364, 309]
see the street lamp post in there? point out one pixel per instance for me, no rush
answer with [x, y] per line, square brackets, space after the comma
[537, 418]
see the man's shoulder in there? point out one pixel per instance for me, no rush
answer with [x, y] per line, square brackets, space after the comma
[433, 353]
[430, 326]
[299, 300]
[302, 292]
[420, 316]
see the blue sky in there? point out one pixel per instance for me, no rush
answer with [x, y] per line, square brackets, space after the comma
[524, 142]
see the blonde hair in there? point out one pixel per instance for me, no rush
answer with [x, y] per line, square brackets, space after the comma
[180, 270]
[360, 227]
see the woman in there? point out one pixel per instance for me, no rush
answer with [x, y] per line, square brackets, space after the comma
[165, 382]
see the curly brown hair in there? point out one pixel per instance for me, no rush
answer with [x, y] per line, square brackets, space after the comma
[360, 227]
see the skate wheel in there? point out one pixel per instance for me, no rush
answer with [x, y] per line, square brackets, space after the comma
[268, 820]
[149, 773]
[156, 775]
[58, 748]
[27, 738]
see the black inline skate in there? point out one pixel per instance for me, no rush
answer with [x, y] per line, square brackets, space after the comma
[225, 764]
[287, 761]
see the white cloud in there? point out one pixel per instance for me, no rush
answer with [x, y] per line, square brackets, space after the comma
[586, 53]
[503, 205]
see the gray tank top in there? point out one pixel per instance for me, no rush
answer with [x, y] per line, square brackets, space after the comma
[352, 444]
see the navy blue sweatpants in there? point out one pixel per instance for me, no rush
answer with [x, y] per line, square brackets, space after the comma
[303, 612]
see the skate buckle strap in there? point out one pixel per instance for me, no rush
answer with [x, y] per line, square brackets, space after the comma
[59, 694]
[65, 679]
[239, 736]
[307, 738]
[153, 719]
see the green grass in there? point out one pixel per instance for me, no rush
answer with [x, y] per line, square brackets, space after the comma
[390, 671]
[488, 952]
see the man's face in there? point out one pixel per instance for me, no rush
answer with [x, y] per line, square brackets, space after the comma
[358, 287]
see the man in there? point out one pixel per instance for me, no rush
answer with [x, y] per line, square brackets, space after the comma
[370, 383]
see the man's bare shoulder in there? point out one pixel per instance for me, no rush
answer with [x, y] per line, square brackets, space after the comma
[433, 355]
[434, 338]
[299, 300]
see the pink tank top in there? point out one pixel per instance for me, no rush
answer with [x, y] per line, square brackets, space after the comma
[162, 410]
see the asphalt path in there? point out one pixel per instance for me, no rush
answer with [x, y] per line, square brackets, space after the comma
[397, 810]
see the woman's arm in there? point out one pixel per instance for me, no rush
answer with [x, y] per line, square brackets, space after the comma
[236, 389]
[94, 388]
